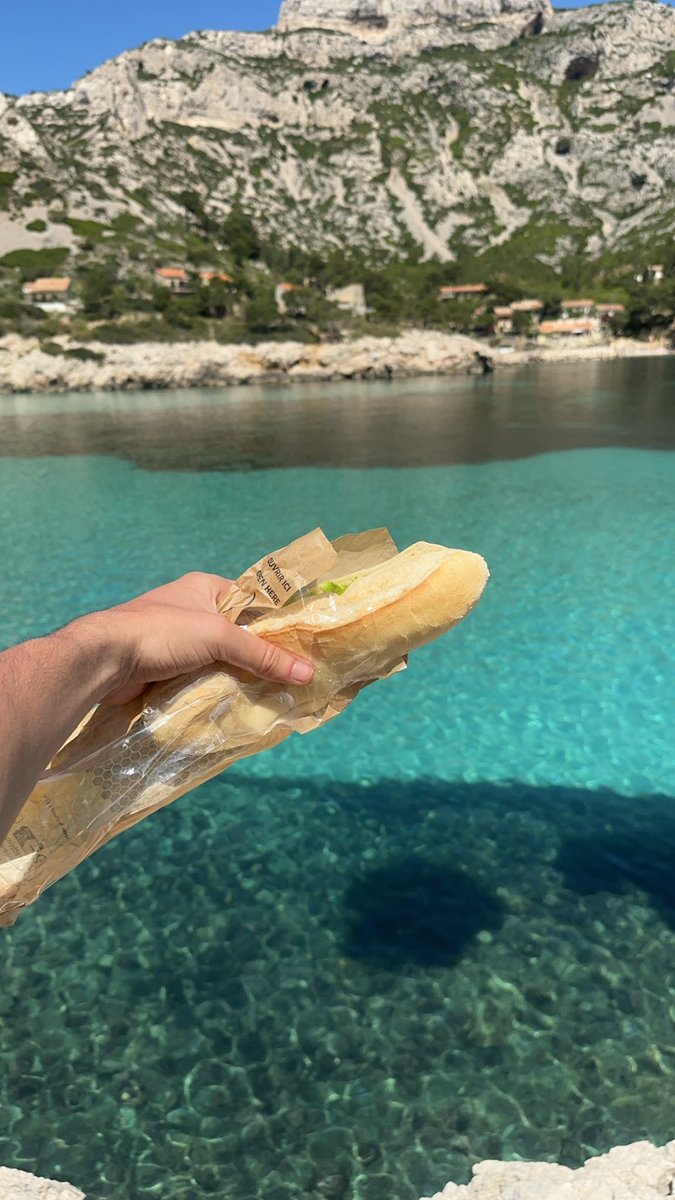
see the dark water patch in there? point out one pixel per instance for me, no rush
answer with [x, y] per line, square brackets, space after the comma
[203, 1016]
[413, 911]
[512, 414]
[638, 856]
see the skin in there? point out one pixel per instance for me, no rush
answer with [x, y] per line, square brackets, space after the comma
[49, 684]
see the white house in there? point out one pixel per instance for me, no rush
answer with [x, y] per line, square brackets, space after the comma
[351, 298]
[175, 279]
[577, 309]
[49, 293]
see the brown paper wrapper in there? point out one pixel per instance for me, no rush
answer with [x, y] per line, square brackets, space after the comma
[125, 762]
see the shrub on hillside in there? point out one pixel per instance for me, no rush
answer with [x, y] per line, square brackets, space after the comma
[33, 263]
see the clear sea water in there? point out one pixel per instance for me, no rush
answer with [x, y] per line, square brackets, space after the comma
[440, 929]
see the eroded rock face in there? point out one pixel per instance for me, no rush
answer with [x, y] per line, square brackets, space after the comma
[364, 16]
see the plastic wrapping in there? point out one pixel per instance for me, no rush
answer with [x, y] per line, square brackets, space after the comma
[125, 762]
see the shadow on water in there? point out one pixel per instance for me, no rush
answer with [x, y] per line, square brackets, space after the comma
[639, 857]
[440, 857]
[412, 911]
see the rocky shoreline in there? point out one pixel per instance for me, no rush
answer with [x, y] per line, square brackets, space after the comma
[569, 352]
[25, 367]
[640, 1171]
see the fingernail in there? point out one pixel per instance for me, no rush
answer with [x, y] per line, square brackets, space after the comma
[301, 672]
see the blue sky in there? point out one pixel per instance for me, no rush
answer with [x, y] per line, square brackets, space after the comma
[46, 44]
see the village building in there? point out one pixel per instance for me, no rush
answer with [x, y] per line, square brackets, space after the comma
[176, 279]
[572, 327]
[577, 308]
[504, 314]
[351, 298]
[503, 322]
[654, 273]
[209, 277]
[533, 307]
[280, 293]
[462, 291]
[50, 294]
[607, 311]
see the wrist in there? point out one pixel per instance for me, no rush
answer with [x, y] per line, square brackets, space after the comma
[99, 644]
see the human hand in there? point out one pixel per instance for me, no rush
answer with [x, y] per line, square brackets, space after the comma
[177, 628]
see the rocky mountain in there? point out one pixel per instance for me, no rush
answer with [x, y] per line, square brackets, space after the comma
[456, 126]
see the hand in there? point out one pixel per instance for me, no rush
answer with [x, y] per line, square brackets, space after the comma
[177, 628]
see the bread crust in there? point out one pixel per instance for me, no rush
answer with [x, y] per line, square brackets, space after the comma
[350, 642]
[412, 615]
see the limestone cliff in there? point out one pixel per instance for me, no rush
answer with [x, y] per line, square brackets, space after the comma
[456, 125]
[368, 17]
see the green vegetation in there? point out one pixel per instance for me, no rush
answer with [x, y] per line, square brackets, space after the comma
[122, 303]
[81, 353]
[91, 231]
[44, 189]
[240, 235]
[7, 181]
[32, 263]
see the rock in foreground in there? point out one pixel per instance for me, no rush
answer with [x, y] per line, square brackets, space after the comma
[636, 1172]
[18, 1185]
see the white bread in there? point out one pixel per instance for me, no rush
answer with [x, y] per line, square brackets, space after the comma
[351, 638]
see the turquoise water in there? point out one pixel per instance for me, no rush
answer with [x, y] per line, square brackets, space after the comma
[437, 930]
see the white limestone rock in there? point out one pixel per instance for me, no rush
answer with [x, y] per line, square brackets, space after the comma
[19, 1185]
[24, 367]
[371, 16]
[640, 1171]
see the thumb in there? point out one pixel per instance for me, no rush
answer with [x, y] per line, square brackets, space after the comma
[243, 649]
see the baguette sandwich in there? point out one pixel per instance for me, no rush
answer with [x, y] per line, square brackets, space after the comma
[125, 763]
[354, 629]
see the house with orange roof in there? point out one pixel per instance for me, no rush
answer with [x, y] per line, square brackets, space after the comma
[462, 291]
[504, 314]
[573, 327]
[503, 322]
[50, 293]
[577, 308]
[176, 279]
[528, 306]
[281, 291]
[208, 277]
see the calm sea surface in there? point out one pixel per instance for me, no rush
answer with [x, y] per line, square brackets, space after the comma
[440, 929]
